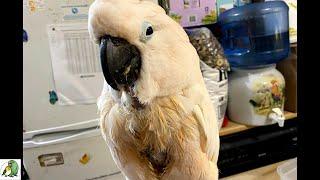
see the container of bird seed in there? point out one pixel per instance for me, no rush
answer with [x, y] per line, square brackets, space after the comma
[214, 67]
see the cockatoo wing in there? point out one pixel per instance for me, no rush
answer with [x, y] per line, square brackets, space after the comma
[208, 132]
[205, 114]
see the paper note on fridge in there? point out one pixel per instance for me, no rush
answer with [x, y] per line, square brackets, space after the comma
[76, 67]
[75, 9]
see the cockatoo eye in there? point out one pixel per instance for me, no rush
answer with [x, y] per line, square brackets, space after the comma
[146, 31]
[149, 31]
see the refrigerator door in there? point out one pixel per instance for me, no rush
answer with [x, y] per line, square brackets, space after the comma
[31, 137]
[44, 84]
[50, 138]
[83, 155]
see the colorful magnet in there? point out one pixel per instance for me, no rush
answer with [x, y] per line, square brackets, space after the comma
[25, 36]
[84, 159]
[53, 98]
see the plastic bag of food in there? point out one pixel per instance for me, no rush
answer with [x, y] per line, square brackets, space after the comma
[208, 47]
[216, 81]
[214, 67]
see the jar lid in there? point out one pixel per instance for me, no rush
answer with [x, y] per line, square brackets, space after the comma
[252, 10]
[254, 68]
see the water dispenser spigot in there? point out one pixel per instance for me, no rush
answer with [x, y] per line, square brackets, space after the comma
[277, 115]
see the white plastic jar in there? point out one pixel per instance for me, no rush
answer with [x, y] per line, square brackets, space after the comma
[256, 96]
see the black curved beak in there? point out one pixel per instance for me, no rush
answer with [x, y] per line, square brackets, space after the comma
[120, 61]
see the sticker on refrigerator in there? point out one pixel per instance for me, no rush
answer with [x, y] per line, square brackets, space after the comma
[25, 36]
[10, 169]
[75, 9]
[34, 5]
[84, 159]
[75, 63]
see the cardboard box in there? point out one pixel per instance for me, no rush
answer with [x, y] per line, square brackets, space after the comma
[190, 13]
[223, 5]
[238, 3]
[288, 68]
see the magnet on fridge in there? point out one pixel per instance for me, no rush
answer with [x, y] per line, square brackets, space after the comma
[84, 159]
[53, 98]
[25, 36]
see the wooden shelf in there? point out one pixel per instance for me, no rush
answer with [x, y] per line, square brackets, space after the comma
[263, 173]
[234, 127]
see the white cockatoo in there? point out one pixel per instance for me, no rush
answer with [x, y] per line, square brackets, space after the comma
[156, 114]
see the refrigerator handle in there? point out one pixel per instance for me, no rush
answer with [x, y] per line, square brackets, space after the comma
[44, 140]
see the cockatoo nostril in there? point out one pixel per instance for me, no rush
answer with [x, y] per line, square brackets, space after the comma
[120, 60]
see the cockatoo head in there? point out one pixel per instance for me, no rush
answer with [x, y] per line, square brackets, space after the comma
[143, 51]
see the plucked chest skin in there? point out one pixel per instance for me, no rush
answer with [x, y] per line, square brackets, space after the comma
[161, 141]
